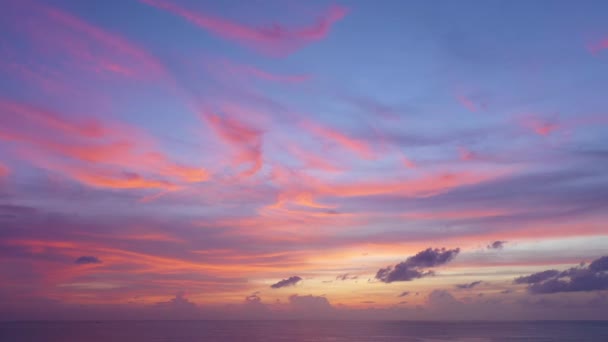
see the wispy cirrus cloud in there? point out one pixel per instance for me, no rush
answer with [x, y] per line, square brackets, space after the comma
[100, 154]
[73, 42]
[245, 71]
[245, 140]
[597, 47]
[275, 40]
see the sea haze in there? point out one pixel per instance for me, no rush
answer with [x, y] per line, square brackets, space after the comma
[199, 331]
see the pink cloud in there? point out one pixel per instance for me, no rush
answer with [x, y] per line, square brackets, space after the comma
[79, 44]
[540, 126]
[276, 40]
[242, 138]
[4, 170]
[360, 147]
[466, 154]
[467, 103]
[596, 48]
[248, 71]
[92, 152]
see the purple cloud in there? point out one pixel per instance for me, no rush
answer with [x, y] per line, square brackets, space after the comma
[575, 279]
[413, 267]
[469, 285]
[291, 281]
[86, 259]
[496, 245]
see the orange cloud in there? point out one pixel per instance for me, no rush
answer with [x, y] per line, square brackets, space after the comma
[90, 128]
[423, 186]
[91, 152]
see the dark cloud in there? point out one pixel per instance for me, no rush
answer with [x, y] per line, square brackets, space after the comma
[576, 279]
[413, 267]
[286, 282]
[536, 277]
[404, 293]
[432, 257]
[468, 286]
[496, 245]
[347, 276]
[87, 259]
[600, 264]
[253, 298]
[368, 302]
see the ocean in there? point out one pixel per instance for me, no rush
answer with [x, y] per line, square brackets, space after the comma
[296, 331]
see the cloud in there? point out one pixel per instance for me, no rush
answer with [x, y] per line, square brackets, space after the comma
[347, 276]
[598, 47]
[441, 298]
[468, 286]
[253, 298]
[576, 279]
[4, 170]
[245, 140]
[413, 267]
[467, 103]
[276, 40]
[404, 293]
[179, 305]
[80, 44]
[310, 304]
[496, 245]
[536, 277]
[540, 126]
[83, 260]
[244, 71]
[291, 281]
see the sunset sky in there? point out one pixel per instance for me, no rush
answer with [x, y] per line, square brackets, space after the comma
[303, 159]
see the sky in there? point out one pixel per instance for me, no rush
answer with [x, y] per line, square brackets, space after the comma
[281, 159]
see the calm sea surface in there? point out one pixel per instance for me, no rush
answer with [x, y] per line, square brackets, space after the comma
[198, 331]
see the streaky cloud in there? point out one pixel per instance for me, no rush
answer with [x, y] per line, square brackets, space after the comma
[276, 40]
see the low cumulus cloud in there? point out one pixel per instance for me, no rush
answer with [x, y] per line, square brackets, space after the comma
[469, 285]
[347, 276]
[404, 293]
[179, 302]
[291, 281]
[576, 279]
[87, 259]
[414, 267]
[536, 277]
[496, 245]
[253, 298]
